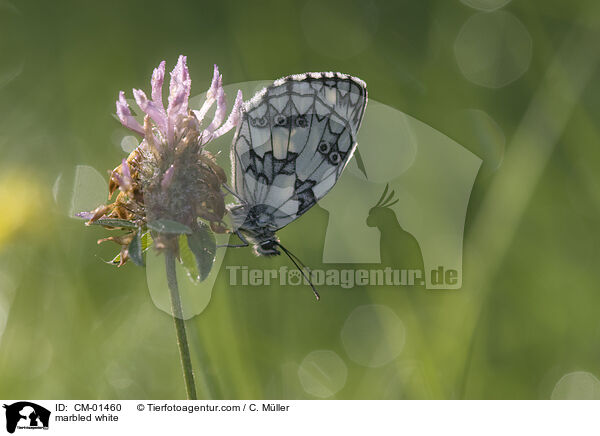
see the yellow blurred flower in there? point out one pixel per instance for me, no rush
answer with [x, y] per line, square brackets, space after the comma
[22, 203]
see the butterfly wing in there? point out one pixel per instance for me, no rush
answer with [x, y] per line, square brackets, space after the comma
[294, 140]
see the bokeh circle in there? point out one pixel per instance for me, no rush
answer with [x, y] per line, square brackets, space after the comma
[493, 49]
[486, 5]
[322, 373]
[373, 335]
[578, 385]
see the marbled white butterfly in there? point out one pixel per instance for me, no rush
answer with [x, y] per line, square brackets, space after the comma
[294, 140]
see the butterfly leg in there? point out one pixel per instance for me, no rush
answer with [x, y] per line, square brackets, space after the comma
[233, 246]
[242, 238]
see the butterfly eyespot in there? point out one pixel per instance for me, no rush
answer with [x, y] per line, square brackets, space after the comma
[259, 122]
[280, 120]
[324, 147]
[334, 158]
[301, 121]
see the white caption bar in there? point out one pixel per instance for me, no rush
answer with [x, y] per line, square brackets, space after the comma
[301, 417]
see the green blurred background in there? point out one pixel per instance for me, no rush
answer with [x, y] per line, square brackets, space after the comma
[525, 324]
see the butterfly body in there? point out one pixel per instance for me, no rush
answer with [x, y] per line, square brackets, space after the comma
[254, 226]
[294, 139]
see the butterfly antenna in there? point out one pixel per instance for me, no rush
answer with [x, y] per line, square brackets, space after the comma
[293, 258]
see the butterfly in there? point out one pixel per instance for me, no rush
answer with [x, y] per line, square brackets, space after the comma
[294, 139]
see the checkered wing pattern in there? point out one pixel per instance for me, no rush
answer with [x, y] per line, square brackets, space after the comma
[294, 140]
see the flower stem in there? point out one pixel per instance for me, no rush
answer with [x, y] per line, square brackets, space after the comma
[177, 312]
